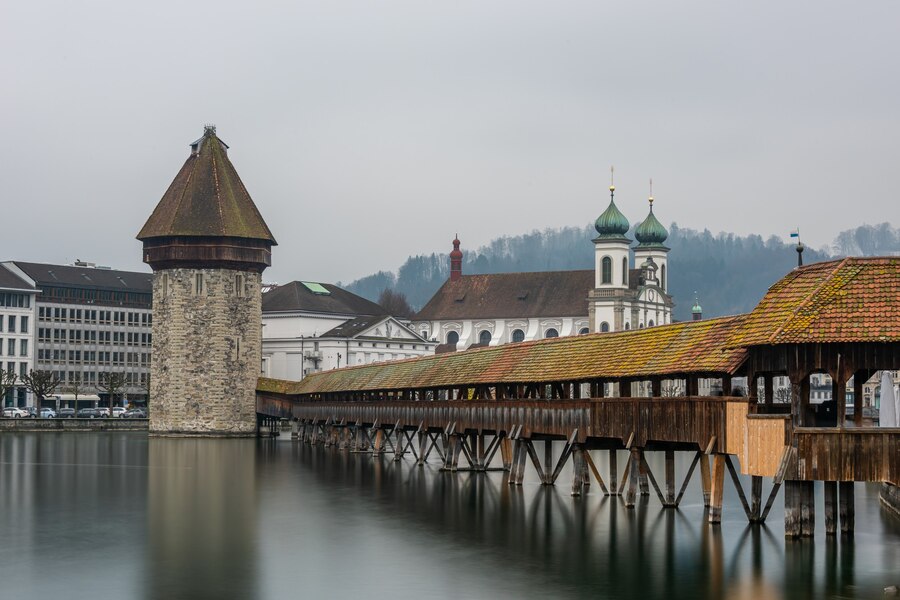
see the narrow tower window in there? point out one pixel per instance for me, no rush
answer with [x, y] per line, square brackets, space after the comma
[662, 277]
[239, 286]
[198, 284]
[606, 275]
[625, 271]
[165, 284]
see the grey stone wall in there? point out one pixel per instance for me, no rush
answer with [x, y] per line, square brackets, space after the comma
[207, 351]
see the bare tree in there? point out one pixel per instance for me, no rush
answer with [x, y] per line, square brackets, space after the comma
[395, 303]
[7, 382]
[782, 395]
[145, 385]
[112, 384]
[671, 390]
[77, 388]
[41, 383]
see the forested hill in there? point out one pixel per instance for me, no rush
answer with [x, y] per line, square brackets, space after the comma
[729, 273]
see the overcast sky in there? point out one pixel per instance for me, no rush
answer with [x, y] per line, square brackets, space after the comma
[369, 131]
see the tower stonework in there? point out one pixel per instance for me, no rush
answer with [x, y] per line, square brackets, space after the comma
[207, 245]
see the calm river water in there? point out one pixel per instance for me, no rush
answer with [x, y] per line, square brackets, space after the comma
[121, 515]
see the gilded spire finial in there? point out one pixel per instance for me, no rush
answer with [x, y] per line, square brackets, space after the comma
[612, 180]
[651, 194]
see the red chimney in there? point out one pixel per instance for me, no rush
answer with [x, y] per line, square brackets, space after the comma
[456, 260]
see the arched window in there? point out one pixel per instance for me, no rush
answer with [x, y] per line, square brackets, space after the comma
[650, 324]
[606, 275]
[484, 337]
[452, 337]
[625, 271]
[662, 277]
[641, 326]
[551, 333]
[584, 331]
[627, 326]
[518, 335]
[604, 326]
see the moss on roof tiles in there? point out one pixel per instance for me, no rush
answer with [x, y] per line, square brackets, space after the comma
[692, 347]
[207, 199]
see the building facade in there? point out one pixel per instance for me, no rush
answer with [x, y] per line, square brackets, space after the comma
[208, 246]
[90, 320]
[17, 318]
[310, 327]
[627, 289]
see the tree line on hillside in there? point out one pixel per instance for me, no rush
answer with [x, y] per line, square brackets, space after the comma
[728, 273]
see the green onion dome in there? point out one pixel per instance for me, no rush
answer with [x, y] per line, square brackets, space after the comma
[651, 232]
[612, 223]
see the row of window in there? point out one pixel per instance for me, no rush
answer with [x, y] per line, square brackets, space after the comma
[22, 368]
[91, 296]
[46, 334]
[606, 272]
[200, 288]
[14, 300]
[12, 320]
[91, 377]
[132, 359]
[518, 335]
[11, 347]
[102, 317]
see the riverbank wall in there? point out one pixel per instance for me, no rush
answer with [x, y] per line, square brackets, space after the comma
[74, 424]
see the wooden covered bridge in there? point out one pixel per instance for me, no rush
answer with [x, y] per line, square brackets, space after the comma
[639, 391]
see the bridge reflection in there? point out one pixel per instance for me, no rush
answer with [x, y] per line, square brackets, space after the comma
[590, 544]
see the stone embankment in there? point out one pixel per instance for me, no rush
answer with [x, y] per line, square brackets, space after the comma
[73, 424]
[890, 497]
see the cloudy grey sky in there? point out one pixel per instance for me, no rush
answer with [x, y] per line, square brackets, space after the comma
[368, 131]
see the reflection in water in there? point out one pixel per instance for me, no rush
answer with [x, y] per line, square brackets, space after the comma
[201, 518]
[116, 515]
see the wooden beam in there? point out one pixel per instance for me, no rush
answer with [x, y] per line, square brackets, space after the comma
[831, 507]
[847, 508]
[737, 486]
[670, 479]
[705, 484]
[595, 472]
[633, 474]
[717, 488]
[687, 478]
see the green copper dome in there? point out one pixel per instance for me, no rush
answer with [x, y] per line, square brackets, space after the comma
[612, 223]
[651, 232]
[697, 309]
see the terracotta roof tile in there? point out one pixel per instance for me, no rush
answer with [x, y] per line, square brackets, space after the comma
[849, 300]
[692, 347]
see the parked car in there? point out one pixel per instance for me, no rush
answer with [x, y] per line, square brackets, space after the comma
[104, 411]
[32, 411]
[118, 411]
[90, 413]
[66, 413]
[135, 413]
[48, 413]
[14, 412]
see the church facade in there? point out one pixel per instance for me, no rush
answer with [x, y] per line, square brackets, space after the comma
[627, 289]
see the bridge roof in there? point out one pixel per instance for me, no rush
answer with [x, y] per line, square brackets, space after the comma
[680, 348]
[848, 300]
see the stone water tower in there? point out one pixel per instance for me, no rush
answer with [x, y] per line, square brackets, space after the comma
[208, 246]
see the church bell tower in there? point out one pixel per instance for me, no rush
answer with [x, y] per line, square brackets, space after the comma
[208, 246]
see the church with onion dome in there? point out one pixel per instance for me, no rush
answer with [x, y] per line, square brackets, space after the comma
[626, 289]
[626, 294]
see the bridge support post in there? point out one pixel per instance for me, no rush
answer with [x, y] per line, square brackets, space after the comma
[578, 467]
[506, 453]
[792, 499]
[634, 467]
[717, 488]
[808, 509]
[705, 479]
[755, 498]
[642, 473]
[670, 479]
[295, 429]
[614, 474]
[847, 508]
[831, 507]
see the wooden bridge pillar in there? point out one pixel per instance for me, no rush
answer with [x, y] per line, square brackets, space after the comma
[643, 479]
[847, 508]
[717, 488]
[634, 466]
[670, 479]
[831, 507]
[614, 474]
[705, 479]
